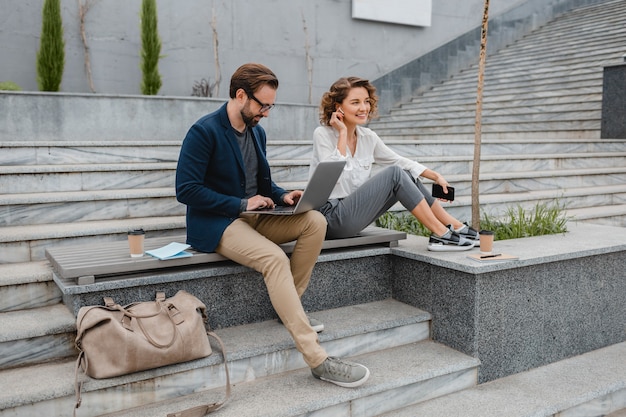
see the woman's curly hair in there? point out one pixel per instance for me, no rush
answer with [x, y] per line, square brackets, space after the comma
[339, 91]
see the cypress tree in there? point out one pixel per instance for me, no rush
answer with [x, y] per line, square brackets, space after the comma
[150, 48]
[51, 54]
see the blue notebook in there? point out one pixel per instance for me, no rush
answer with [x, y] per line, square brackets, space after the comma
[173, 250]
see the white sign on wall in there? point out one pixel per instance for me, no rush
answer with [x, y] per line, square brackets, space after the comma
[404, 12]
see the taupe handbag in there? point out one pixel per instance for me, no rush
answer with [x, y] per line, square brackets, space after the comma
[115, 340]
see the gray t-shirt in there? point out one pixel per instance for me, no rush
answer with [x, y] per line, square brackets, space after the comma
[250, 162]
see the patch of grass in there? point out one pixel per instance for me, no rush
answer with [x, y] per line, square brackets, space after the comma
[518, 222]
[9, 86]
[543, 219]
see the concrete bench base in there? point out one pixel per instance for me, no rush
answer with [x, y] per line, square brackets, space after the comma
[85, 264]
[349, 271]
[565, 295]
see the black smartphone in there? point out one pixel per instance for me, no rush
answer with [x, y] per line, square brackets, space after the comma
[438, 192]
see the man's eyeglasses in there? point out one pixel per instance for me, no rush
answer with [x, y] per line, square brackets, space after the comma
[264, 107]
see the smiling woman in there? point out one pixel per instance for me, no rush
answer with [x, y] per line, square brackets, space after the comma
[359, 197]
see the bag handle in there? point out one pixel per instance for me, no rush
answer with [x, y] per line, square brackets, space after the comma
[198, 411]
[171, 310]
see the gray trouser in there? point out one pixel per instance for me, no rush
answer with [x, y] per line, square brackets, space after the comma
[348, 216]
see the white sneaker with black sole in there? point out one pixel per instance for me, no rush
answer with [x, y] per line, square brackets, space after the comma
[451, 241]
[468, 232]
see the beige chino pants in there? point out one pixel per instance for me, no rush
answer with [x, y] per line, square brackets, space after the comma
[252, 241]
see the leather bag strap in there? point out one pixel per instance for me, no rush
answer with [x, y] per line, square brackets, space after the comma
[203, 410]
[198, 411]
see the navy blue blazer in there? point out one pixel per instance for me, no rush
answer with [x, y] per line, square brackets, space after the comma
[210, 178]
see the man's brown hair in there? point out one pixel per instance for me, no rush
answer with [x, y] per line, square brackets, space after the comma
[250, 77]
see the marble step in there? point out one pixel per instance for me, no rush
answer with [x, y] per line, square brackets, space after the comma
[589, 385]
[543, 69]
[36, 335]
[75, 152]
[96, 176]
[598, 204]
[610, 215]
[491, 119]
[556, 53]
[579, 16]
[571, 97]
[28, 243]
[511, 62]
[84, 177]
[27, 285]
[130, 152]
[403, 375]
[529, 135]
[256, 352]
[49, 208]
[443, 112]
[81, 206]
[545, 128]
[563, 30]
[511, 94]
[598, 27]
[290, 153]
[425, 116]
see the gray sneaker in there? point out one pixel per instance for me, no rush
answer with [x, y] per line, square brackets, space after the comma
[342, 373]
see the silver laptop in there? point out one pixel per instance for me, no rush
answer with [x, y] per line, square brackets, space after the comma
[316, 192]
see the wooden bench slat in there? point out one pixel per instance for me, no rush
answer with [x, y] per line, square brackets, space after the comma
[112, 258]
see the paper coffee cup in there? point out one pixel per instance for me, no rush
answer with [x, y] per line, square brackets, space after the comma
[135, 242]
[486, 241]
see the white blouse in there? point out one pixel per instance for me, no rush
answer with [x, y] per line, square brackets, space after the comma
[358, 169]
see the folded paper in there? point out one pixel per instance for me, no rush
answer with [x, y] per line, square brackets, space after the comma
[173, 250]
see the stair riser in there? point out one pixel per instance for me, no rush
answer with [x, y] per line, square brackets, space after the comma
[462, 209]
[468, 134]
[394, 399]
[120, 180]
[36, 350]
[84, 181]
[516, 84]
[572, 127]
[427, 148]
[34, 250]
[447, 168]
[617, 221]
[125, 208]
[422, 115]
[79, 211]
[489, 120]
[51, 154]
[468, 103]
[108, 400]
[27, 296]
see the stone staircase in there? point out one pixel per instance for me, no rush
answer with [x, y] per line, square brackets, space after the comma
[541, 141]
[540, 123]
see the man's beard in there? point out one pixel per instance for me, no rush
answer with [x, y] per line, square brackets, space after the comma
[247, 116]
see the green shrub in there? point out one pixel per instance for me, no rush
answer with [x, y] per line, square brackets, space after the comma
[9, 86]
[543, 219]
[150, 48]
[51, 54]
